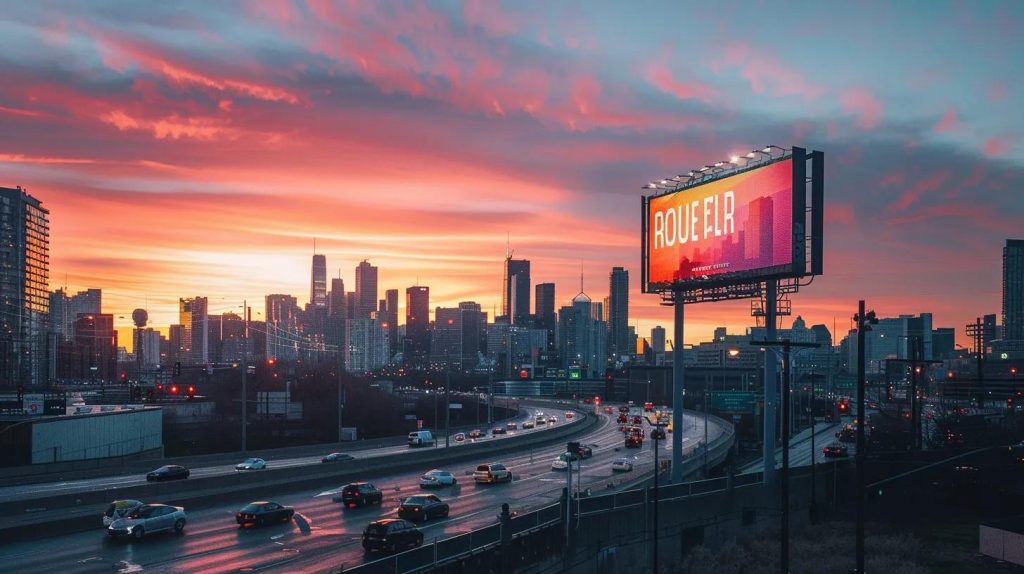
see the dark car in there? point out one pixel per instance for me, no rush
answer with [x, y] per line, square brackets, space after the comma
[359, 494]
[512, 426]
[168, 472]
[658, 433]
[497, 431]
[263, 512]
[391, 535]
[623, 419]
[638, 420]
[835, 450]
[423, 507]
[623, 409]
[634, 440]
[337, 457]
[586, 451]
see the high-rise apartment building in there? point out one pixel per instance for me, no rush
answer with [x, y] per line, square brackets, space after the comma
[24, 288]
[318, 281]
[391, 318]
[283, 337]
[366, 290]
[417, 324]
[1013, 290]
[192, 315]
[95, 353]
[65, 309]
[515, 296]
[618, 313]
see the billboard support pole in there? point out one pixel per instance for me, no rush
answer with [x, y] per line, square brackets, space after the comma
[677, 390]
[771, 388]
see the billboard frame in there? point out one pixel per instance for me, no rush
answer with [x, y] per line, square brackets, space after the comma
[808, 214]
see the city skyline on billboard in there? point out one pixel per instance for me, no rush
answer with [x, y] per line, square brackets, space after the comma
[739, 226]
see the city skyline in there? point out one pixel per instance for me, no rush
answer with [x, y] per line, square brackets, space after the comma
[173, 168]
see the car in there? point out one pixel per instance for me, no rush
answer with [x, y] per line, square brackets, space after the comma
[586, 451]
[459, 437]
[623, 419]
[491, 473]
[622, 465]
[252, 464]
[391, 534]
[437, 478]
[357, 494]
[475, 433]
[634, 440]
[835, 450]
[568, 415]
[168, 472]
[658, 433]
[262, 512]
[552, 419]
[337, 457]
[497, 430]
[588, 401]
[848, 434]
[564, 460]
[512, 426]
[421, 438]
[648, 407]
[423, 507]
[608, 410]
[527, 425]
[119, 509]
[541, 420]
[638, 420]
[147, 519]
[624, 409]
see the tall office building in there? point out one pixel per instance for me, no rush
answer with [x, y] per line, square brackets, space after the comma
[446, 342]
[544, 313]
[95, 348]
[391, 318]
[318, 282]
[1013, 290]
[283, 337]
[583, 338]
[617, 311]
[65, 309]
[658, 341]
[417, 324]
[24, 288]
[515, 296]
[337, 315]
[366, 290]
[192, 315]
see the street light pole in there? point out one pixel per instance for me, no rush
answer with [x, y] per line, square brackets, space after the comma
[657, 469]
[447, 402]
[863, 324]
[245, 370]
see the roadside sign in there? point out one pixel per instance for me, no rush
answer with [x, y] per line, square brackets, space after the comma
[455, 406]
[734, 401]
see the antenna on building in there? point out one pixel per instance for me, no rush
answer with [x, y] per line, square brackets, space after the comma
[581, 275]
[314, 246]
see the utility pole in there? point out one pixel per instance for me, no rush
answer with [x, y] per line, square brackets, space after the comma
[786, 345]
[447, 402]
[864, 322]
[245, 370]
[655, 436]
[977, 331]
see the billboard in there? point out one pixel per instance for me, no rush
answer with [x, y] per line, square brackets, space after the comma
[743, 227]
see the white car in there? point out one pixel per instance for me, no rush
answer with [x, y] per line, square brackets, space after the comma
[437, 478]
[251, 464]
[563, 460]
[622, 464]
[147, 519]
[119, 509]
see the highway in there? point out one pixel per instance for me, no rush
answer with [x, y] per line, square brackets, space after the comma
[800, 446]
[325, 535]
[28, 491]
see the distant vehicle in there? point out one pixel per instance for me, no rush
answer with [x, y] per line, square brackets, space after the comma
[491, 473]
[586, 451]
[475, 433]
[147, 519]
[623, 419]
[848, 434]
[421, 438]
[252, 464]
[624, 409]
[835, 450]
[337, 457]
[622, 465]
[541, 420]
[262, 512]
[421, 507]
[497, 430]
[634, 440]
[437, 478]
[512, 426]
[658, 433]
[632, 429]
[638, 420]
[564, 460]
[119, 509]
[359, 494]
[460, 437]
[391, 534]
[527, 425]
[648, 407]
[168, 472]
[588, 401]
[552, 419]
[568, 415]
[608, 410]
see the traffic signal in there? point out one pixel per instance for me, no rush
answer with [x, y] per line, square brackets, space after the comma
[160, 388]
[177, 369]
[124, 377]
[1009, 402]
[174, 389]
[21, 392]
[191, 390]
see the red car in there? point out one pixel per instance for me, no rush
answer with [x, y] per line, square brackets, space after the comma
[608, 410]
[836, 450]
[638, 420]
[623, 419]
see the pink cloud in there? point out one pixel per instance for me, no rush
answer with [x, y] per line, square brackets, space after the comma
[839, 213]
[948, 122]
[766, 73]
[862, 103]
[891, 179]
[996, 146]
[927, 185]
[660, 77]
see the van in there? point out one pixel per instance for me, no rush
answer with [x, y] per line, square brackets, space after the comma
[421, 438]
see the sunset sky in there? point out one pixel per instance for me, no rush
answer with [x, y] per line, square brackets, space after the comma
[198, 148]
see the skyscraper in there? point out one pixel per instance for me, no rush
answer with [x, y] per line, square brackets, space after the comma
[391, 318]
[95, 348]
[583, 339]
[1013, 290]
[337, 315]
[515, 297]
[544, 312]
[366, 290]
[283, 337]
[417, 324]
[658, 341]
[618, 313]
[65, 309]
[24, 288]
[192, 315]
[318, 282]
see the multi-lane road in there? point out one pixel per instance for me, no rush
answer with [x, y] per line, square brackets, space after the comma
[800, 452]
[323, 534]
